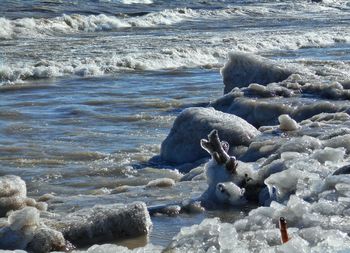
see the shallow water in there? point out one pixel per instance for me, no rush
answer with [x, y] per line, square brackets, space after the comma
[86, 99]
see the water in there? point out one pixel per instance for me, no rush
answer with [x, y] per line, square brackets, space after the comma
[89, 89]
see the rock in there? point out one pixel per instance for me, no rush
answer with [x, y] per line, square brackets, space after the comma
[13, 193]
[243, 69]
[103, 223]
[46, 240]
[182, 145]
[20, 231]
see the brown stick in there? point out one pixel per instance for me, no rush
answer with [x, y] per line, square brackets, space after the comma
[218, 150]
[283, 229]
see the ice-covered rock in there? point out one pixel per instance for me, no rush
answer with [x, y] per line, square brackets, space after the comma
[103, 223]
[20, 230]
[182, 145]
[13, 195]
[46, 240]
[243, 69]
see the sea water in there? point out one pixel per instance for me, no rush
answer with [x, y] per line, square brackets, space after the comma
[90, 89]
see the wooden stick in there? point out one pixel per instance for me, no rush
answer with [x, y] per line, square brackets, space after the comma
[283, 229]
[218, 150]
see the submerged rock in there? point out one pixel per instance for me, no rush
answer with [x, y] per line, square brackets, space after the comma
[243, 69]
[183, 142]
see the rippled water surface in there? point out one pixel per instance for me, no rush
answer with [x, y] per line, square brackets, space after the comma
[76, 134]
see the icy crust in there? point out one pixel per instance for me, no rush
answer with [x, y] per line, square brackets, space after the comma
[214, 236]
[183, 142]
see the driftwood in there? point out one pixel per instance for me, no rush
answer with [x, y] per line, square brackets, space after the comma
[218, 150]
[283, 230]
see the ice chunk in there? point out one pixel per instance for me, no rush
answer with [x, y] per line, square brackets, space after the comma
[209, 236]
[335, 155]
[230, 193]
[301, 145]
[286, 181]
[161, 182]
[287, 123]
[182, 145]
[339, 141]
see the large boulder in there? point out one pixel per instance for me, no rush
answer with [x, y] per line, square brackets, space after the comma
[182, 145]
[243, 69]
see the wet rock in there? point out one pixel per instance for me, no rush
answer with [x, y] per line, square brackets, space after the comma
[183, 142]
[46, 240]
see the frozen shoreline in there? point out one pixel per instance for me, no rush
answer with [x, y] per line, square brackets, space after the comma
[295, 160]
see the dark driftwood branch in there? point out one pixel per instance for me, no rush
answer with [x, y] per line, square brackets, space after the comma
[218, 150]
[283, 229]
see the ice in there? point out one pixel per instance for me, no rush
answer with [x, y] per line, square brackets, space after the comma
[21, 228]
[210, 236]
[46, 240]
[106, 222]
[161, 182]
[182, 145]
[230, 193]
[112, 248]
[329, 154]
[13, 195]
[287, 123]
[244, 69]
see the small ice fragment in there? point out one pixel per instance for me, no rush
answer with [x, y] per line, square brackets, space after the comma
[287, 123]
